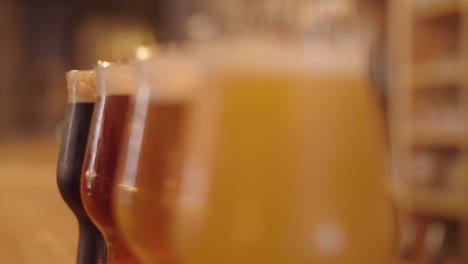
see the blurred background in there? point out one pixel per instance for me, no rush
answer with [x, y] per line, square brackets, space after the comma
[39, 42]
[419, 61]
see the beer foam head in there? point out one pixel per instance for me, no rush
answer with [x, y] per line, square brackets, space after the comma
[172, 76]
[276, 57]
[115, 78]
[81, 86]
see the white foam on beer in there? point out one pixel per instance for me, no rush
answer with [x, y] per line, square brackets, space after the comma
[115, 78]
[170, 77]
[81, 86]
[318, 58]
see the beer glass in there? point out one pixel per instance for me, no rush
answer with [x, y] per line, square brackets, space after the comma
[277, 152]
[277, 157]
[152, 153]
[285, 162]
[115, 85]
[81, 98]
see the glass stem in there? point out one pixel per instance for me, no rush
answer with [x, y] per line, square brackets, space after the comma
[89, 244]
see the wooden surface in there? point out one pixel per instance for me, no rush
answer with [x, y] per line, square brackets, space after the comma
[35, 225]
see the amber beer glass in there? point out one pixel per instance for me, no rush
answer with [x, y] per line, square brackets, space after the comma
[151, 161]
[297, 170]
[81, 99]
[287, 165]
[280, 158]
[115, 85]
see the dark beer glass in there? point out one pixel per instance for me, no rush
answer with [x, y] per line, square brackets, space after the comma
[115, 85]
[81, 100]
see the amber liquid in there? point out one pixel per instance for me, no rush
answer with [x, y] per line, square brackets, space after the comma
[296, 176]
[99, 171]
[145, 192]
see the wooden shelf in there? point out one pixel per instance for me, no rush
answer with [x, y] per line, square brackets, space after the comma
[427, 47]
[432, 9]
[437, 75]
[436, 203]
[437, 138]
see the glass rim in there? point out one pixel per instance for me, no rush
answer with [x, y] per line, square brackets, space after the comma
[81, 86]
[279, 56]
[115, 77]
[171, 75]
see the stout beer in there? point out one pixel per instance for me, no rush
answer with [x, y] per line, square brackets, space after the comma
[82, 96]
